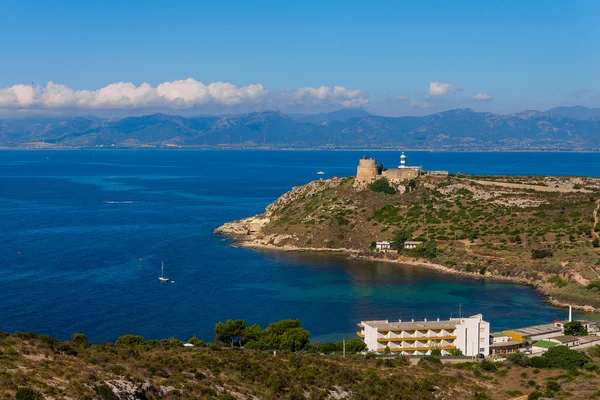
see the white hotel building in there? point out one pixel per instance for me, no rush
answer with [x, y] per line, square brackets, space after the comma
[470, 335]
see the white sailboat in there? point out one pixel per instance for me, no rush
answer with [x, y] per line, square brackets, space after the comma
[162, 277]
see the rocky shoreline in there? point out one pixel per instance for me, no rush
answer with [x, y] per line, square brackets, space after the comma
[246, 233]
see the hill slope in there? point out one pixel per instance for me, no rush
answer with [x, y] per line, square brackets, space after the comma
[538, 231]
[35, 367]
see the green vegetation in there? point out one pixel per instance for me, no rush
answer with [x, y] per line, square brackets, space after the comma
[30, 366]
[382, 185]
[514, 233]
[575, 328]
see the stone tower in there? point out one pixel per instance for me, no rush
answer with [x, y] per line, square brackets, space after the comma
[367, 169]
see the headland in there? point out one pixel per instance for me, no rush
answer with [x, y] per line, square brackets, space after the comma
[536, 230]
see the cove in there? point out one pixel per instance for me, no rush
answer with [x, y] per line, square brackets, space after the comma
[73, 263]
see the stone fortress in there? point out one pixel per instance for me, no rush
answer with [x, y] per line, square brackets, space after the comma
[369, 171]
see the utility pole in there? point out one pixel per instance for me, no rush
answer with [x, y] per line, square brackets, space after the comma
[344, 345]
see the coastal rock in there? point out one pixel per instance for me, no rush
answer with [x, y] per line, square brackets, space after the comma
[243, 227]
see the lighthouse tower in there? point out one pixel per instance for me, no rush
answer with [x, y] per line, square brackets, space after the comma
[402, 161]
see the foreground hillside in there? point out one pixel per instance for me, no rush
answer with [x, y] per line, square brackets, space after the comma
[35, 367]
[537, 230]
[462, 129]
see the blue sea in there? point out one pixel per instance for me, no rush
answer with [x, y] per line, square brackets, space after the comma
[69, 262]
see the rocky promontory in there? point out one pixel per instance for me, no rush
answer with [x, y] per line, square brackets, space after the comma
[537, 230]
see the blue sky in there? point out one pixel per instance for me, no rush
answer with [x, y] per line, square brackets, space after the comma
[392, 58]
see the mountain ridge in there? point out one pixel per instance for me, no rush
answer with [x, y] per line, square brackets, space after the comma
[459, 129]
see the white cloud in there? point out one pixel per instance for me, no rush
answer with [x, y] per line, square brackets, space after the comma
[176, 94]
[441, 89]
[338, 94]
[421, 104]
[481, 96]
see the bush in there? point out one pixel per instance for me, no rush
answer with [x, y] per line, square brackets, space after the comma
[488, 366]
[130, 340]
[382, 185]
[79, 339]
[429, 359]
[355, 346]
[596, 243]
[552, 386]
[541, 253]
[574, 328]
[535, 395]
[436, 352]
[196, 342]
[519, 359]
[26, 393]
[561, 357]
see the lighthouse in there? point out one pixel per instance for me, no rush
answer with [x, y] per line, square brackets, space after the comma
[402, 161]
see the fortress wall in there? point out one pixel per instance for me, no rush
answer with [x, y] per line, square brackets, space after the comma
[367, 169]
[400, 173]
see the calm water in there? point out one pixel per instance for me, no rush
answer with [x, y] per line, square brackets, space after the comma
[70, 263]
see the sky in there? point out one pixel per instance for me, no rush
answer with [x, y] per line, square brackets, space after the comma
[213, 57]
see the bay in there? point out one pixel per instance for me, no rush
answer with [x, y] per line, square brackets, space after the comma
[72, 263]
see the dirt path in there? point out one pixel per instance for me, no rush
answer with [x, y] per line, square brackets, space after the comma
[532, 187]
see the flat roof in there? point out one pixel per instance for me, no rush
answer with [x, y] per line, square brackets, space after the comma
[382, 325]
[545, 344]
[583, 321]
[509, 343]
[412, 242]
[588, 339]
[499, 334]
[536, 330]
[408, 325]
[566, 339]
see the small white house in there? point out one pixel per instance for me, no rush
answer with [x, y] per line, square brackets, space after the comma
[411, 244]
[385, 245]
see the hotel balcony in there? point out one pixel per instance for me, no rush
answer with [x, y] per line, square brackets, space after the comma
[409, 349]
[420, 338]
[360, 335]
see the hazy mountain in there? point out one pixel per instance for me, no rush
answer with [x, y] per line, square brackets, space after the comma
[462, 129]
[578, 112]
[340, 115]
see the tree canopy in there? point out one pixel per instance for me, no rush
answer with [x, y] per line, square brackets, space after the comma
[574, 328]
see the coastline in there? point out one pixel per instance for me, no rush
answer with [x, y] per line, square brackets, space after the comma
[248, 242]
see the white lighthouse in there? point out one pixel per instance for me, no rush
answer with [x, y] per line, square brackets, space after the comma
[402, 161]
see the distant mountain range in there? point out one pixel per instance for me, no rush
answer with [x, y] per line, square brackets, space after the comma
[563, 128]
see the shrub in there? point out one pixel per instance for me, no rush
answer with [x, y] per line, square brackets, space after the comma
[482, 270]
[596, 242]
[552, 386]
[561, 357]
[535, 395]
[574, 328]
[355, 345]
[196, 342]
[519, 359]
[429, 359]
[382, 185]
[79, 339]
[541, 253]
[488, 366]
[456, 352]
[26, 393]
[436, 352]
[558, 281]
[130, 340]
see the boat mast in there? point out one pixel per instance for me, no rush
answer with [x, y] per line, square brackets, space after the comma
[162, 270]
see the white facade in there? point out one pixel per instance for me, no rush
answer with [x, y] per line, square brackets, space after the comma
[383, 245]
[411, 244]
[469, 335]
